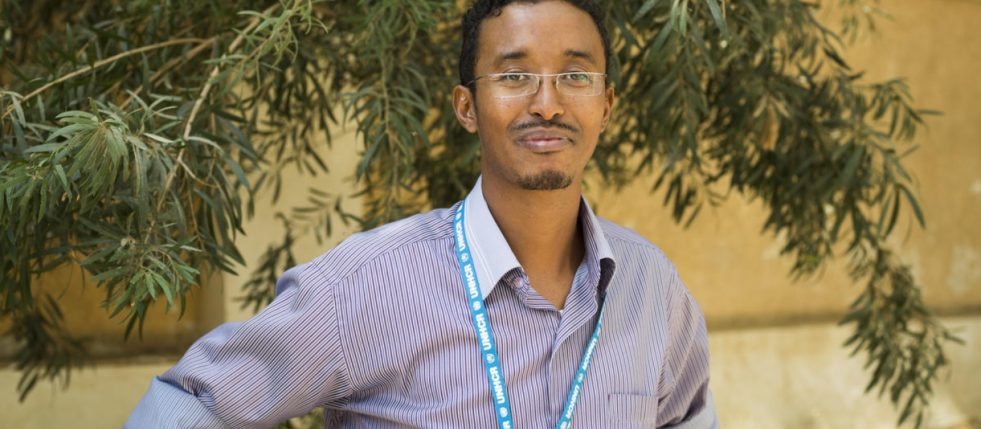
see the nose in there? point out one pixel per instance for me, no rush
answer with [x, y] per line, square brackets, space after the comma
[547, 102]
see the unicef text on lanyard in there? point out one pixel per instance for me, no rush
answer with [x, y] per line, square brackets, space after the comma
[481, 325]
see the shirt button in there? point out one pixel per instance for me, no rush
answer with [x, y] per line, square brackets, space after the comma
[520, 282]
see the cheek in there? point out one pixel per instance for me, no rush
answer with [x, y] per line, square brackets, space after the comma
[593, 112]
[496, 117]
[592, 122]
[488, 128]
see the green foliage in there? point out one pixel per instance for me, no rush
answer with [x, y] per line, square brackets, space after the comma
[136, 136]
[905, 348]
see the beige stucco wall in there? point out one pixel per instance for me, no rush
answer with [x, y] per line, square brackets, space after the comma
[776, 355]
[799, 377]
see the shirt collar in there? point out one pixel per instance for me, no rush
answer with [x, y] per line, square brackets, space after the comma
[492, 254]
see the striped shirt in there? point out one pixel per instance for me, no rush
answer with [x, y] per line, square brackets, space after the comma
[378, 332]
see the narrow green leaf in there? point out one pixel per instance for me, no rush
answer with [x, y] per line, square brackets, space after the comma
[848, 173]
[717, 16]
[913, 203]
[148, 283]
[43, 148]
[644, 9]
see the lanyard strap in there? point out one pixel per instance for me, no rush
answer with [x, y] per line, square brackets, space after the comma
[488, 348]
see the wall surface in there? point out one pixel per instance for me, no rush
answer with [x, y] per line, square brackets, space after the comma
[777, 360]
[100, 397]
[800, 377]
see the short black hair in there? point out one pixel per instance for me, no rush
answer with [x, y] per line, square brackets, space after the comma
[482, 9]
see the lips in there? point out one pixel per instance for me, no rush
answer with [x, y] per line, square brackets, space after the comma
[544, 142]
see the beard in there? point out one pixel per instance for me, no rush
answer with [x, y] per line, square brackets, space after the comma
[545, 181]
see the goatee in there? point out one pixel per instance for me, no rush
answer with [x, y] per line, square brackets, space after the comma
[545, 181]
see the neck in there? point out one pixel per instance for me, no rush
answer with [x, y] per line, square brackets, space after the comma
[542, 229]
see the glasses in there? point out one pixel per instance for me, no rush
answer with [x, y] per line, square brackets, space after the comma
[510, 85]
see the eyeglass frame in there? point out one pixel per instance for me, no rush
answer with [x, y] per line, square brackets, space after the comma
[540, 77]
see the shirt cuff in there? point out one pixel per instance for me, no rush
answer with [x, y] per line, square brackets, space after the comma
[167, 406]
[704, 419]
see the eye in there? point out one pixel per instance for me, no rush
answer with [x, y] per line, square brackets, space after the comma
[512, 77]
[576, 79]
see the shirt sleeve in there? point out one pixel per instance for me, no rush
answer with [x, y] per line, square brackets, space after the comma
[685, 401]
[282, 363]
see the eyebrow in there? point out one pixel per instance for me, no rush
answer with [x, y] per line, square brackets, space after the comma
[520, 55]
[572, 53]
[510, 55]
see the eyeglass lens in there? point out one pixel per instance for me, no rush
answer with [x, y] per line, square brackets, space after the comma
[507, 85]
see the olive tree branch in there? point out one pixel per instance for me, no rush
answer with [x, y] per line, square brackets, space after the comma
[103, 63]
[217, 69]
[182, 59]
[194, 111]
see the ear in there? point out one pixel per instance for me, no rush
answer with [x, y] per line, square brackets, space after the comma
[465, 107]
[609, 101]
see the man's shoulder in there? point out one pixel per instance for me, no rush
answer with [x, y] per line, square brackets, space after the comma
[365, 247]
[623, 239]
[648, 261]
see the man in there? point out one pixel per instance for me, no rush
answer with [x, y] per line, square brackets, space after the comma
[516, 307]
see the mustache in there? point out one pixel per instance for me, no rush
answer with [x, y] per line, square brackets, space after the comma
[543, 123]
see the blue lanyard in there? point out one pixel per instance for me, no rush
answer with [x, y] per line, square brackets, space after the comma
[485, 337]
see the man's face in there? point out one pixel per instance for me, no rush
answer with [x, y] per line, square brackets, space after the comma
[540, 141]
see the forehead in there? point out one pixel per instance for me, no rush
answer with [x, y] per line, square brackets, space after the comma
[544, 32]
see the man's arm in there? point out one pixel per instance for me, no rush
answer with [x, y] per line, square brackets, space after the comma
[281, 363]
[685, 401]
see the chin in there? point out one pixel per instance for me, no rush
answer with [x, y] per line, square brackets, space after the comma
[549, 180]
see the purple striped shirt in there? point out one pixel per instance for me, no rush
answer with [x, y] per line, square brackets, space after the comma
[378, 332]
